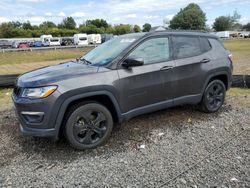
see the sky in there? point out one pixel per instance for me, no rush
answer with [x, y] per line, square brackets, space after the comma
[115, 11]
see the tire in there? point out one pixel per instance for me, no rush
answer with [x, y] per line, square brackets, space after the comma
[213, 97]
[88, 125]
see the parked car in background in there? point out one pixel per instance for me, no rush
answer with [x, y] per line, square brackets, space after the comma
[81, 39]
[125, 77]
[94, 39]
[38, 44]
[5, 44]
[67, 41]
[15, 44]
[245, 34]
[106, 37]
[23, 45]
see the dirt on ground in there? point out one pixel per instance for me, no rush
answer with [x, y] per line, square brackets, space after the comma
[177, 147]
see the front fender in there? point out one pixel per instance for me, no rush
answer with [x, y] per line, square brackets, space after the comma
[66, 103]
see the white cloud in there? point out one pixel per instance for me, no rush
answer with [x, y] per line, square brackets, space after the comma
[36, 20]
[29, 1]
[150, 17]
[78, 14]
[48, 14]
[170, 16]
[130, 16]
[61, 14]
[4, 19]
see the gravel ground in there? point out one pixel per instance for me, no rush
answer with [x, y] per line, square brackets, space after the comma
[183, 148]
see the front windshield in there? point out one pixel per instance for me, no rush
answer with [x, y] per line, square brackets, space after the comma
[105, 53]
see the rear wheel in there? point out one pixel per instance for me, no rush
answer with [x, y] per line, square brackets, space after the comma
[88, 125]
[213, 97]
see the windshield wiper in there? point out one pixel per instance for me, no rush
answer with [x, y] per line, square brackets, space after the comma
[85, 61]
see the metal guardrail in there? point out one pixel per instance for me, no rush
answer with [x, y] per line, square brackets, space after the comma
[45, 48]
[242, 81]
[8, 80]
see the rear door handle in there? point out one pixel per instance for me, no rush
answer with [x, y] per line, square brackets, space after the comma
[205, 61]
[166, 67]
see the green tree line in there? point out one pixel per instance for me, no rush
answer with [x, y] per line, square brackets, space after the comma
[68, 27]
[192, 17]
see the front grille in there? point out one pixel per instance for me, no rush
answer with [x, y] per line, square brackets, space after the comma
[17, 91]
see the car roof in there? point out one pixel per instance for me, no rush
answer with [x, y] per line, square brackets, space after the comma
[169, 32]
[182, 32]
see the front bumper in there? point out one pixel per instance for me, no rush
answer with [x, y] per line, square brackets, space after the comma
[37, 117]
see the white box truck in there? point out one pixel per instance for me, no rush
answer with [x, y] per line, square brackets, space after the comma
[223, 34]
[81, 39]
[95, 39]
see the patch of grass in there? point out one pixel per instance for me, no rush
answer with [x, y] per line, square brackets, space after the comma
[240, 96]
[5, 98]
[240, 48]
[41, 55]
[20, 62]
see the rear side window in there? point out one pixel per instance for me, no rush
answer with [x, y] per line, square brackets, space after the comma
[205, 45]
[186, 46]
[153, 50]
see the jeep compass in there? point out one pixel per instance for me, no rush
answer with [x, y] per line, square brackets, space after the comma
[127, 76]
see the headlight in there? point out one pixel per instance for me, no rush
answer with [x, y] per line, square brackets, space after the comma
[40, 92]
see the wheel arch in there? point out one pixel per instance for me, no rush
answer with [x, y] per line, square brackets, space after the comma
[222, 76]
[103, 97]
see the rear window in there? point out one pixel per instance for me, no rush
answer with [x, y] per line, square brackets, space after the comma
[186, 46]
[205, 45]
[83, 38]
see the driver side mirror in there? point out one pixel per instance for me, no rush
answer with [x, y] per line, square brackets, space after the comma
[133, 62]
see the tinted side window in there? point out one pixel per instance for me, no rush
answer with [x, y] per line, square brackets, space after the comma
[186, 46]
[153, 50]
[205, 45]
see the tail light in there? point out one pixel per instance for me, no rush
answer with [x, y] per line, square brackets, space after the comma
[230, 57]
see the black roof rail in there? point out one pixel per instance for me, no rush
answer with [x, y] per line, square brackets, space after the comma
[178, 30]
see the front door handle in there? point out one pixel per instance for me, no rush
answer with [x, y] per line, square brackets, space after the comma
[167, 68]
[205, 60]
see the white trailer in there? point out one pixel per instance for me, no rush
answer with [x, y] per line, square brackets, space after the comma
[81, 39]
[54, 42]
[223, 34]
[95, 39]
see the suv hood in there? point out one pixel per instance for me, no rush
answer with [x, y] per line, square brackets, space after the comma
[51, 74]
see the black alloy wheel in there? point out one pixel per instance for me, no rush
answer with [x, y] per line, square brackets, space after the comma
[88, 125]
[214, 96]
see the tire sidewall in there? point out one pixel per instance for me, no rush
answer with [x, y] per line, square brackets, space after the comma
[71, 119]
[205, 101]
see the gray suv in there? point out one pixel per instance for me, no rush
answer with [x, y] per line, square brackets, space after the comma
[127, 76]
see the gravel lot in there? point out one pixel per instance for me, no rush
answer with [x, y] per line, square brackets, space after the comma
[183, 148]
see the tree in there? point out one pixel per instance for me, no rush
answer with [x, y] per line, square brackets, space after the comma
[137, 29]
[68, 23]
[190, 18]
[223, 23]
[146, 27]
[90, 29]
[122, 29]
[47, 24]
[16, 24]
[27, 25]
[247, 26]
[99, 23]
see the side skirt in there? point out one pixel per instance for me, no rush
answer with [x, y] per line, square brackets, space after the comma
[191, 99]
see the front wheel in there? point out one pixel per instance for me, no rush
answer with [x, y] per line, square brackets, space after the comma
[88, 125]
[213, 97]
